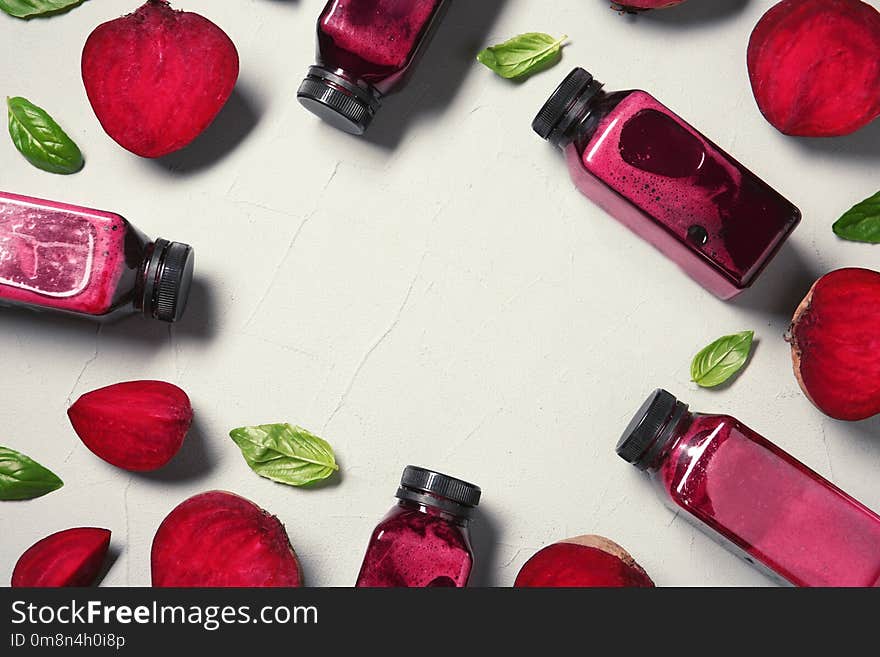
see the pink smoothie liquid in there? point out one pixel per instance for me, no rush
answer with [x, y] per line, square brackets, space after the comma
[781, 513]
[87, 262]
[417, 547]
[667, 182]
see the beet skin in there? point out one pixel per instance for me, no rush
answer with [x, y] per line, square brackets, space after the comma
[158, 77]
[815, 66]
[137, 425]
[835, 344]
[221, 539]
[72, 557]
[585, 561]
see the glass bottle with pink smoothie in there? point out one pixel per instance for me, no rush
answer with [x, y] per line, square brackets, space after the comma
[424, 540]
[667, 182]
[365, 48]
[87, 262]
[753, 497]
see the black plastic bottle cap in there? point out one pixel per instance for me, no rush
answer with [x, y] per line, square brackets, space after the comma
[167, 280]
[564, 107]
[440, 490]
[338, 101]
[650, 429]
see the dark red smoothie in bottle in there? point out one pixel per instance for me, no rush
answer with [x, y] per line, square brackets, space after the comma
[755, 498]
[365, 47]
[424, 540]
[667, 182]
[87, 262]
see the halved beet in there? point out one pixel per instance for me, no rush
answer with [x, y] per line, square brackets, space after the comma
[835, 344]
[158, 77]
[136, 425]
[72, 557]
[220, 539]
[584, 561]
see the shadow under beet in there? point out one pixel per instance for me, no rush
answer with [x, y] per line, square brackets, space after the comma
[113, 553]
[692, 13]
[863, 144]
[438, 74]
[484, 539]
[192, 463]
[239, 116]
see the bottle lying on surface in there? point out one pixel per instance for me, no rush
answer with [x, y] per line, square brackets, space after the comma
[365, 49]
[88, 262]
[756, 499]
[668, 183]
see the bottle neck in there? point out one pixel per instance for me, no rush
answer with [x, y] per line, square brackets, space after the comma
[415, 500]
[581, 118]
[667, 438]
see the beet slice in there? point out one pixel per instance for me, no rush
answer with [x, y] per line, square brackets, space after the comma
[136, 425]
[815, 66]
[584, 561]
[835, 344]
[220, 539]
[72, 557]
[156, 78]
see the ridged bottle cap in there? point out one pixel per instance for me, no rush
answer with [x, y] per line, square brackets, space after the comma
[459, 493]
[650, 428]
[167, 281]
[565, 105]
[338, 101]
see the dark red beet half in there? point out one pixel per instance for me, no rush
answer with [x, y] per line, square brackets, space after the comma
[585, 561]
[835, 344]
[72, 557]
[137, 425]
[158, 77]
[221, 539]
[815, 66]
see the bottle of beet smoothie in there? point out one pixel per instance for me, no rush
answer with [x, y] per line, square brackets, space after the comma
[424, 539]
[667, 182]
[88, 262]
[364, 50]
[753, 497]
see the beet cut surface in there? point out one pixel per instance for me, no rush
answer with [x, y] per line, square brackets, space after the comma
[157, 78]
[835, 344]
[136, 425]
[815, 66]
[72, 557]
[220, 539]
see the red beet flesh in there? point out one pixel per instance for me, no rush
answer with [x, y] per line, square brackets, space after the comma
[585, 561]
[72, 557]
[220, 539]
[158, 77]
[835, 344]
[137, 426]
[815, 66]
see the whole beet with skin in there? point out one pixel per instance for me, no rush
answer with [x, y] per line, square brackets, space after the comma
[220, 539]
[584, 561]
[136, 425]
[72, 557]
[156, 78]
[835, 344]
[814, 66]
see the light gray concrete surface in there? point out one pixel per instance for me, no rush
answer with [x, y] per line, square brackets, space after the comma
[437, 293]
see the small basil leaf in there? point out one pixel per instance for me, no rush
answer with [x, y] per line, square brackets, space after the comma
[722, 359]
[861, 223]
[22, 478]
[286, 454]
[41, 140]
[522, 55]
[31, 8]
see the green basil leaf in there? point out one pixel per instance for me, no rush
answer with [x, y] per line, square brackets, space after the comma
[22, 478]
[861, 223]
[522, 55]
[41, 140]
[722, 359]
[286, 454]
[31, 8]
